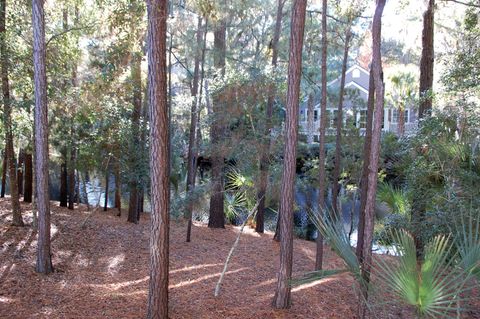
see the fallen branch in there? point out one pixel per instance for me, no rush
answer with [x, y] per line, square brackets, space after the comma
[235, 244]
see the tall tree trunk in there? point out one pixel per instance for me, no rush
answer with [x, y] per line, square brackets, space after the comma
[27, 190]
[323, 127]
[366, 163]
[401, 121]
[73, 146]
[281, 299]
[217, 215]
[310, 118]
[118, 188]
[21, 161]
[4, 173]
[63, 185]
[427, 60]
[374, 153]
[159, 160]
[107, 177]
[7, 114]
[265, 151]
[339, 124]
[137, 109]
[44, 261]
[425, 107]
[195, 131]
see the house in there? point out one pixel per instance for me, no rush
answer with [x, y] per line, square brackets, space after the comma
[354, 107]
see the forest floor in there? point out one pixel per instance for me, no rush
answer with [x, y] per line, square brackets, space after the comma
[101, 271]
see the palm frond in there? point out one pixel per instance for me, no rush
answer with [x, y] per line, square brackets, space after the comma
[432, 286]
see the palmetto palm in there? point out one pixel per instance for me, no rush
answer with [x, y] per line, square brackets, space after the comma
[433, 286]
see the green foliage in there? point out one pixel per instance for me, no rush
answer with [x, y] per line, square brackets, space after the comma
[432, 286]
[397, 199]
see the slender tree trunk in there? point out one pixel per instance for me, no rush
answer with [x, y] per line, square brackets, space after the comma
[217, 215]
[73, 146]
[323, 127]
[159, 160]
[118, 188]
[107, 177]
[63, 185]
[265, 151]
[21, 160]
[78, 187]
[374, 153]
[7, 114]
[281, 299]
[191, 157]
[366, 164]
[27, 190]
[137, 108]
[4, 172]
[427, 61]
[310, 123]
[44, 261]
[339, 124]
[401, 121]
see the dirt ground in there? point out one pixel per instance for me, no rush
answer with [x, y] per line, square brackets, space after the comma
[101, 271]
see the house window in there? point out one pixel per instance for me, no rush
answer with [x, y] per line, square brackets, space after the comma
[333, 119]
[363, 119]
[351, 120]
[303, 115]
[315, 115]
[396, 116]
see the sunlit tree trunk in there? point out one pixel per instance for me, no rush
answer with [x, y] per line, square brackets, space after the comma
[374, 154]
[323, 127]
[427, 60]
[281, 299]
[7, 116]
[217, 215]
[366, 163]
[265, 152]
[339, 124]
[159, 160]
[44, 262]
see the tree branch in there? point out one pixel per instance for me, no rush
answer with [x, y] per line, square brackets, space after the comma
[468, 4]
[58, 35]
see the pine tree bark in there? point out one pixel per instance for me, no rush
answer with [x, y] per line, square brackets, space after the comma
[281, 300]
[63, 185]
[137, 109]
[4, 173]
[73, 146]
[310, 118]
[21, 161]
[159, 160]
[44, 262]
[28, 187]
[107, 177]
[191, 157]
[366, 163]
[339, 123]
[427, 61]
[118, 188]
[265, 150]
[374, 153]
[7, 115]
[217, 215]
[323, 128]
